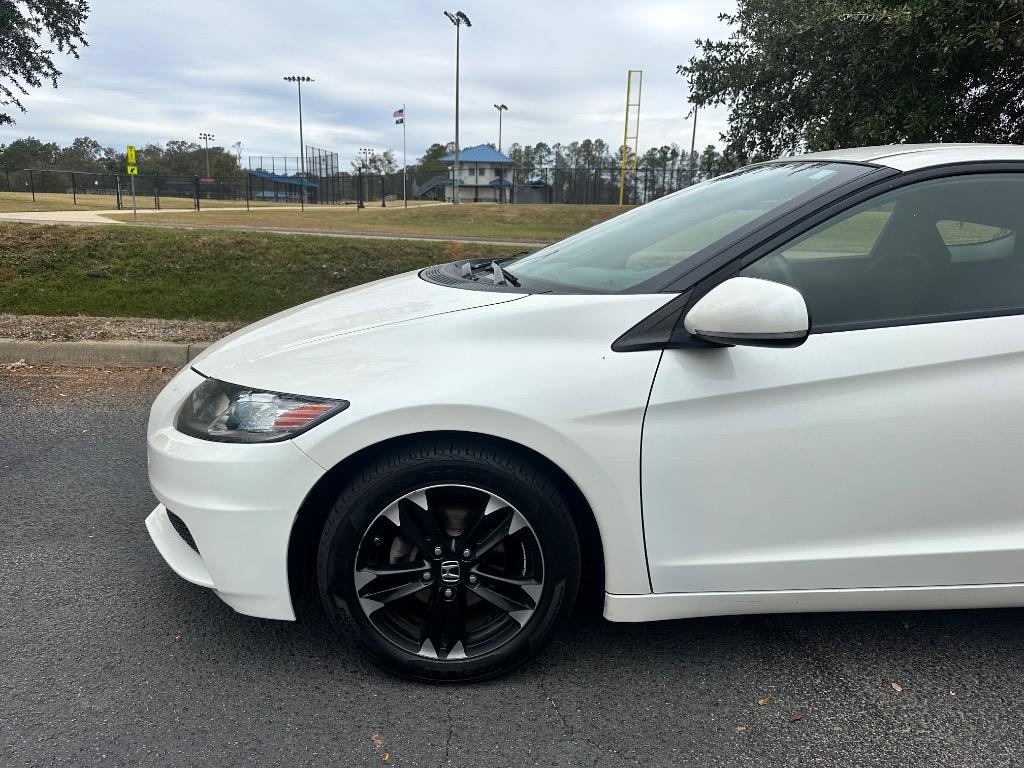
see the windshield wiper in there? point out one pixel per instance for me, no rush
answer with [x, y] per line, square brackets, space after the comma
[501, 275]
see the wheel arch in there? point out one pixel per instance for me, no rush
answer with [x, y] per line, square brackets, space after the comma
[313, 512]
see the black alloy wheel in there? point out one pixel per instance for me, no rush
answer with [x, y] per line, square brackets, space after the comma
[454, 563]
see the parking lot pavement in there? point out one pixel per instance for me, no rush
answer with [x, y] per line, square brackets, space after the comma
[108, 658]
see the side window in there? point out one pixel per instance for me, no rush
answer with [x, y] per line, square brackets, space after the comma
[933, 250]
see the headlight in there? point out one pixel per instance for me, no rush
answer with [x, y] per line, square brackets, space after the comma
[229, 413]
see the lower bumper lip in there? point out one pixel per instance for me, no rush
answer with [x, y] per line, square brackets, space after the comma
[239, 502]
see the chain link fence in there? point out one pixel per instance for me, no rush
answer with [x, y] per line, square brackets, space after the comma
[112, 190]
[280, 180]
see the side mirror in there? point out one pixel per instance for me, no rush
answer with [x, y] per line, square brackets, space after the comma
[749, 311]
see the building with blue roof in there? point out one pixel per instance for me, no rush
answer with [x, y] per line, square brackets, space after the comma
[485, 175]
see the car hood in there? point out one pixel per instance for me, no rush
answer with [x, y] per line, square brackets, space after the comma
[326, 320]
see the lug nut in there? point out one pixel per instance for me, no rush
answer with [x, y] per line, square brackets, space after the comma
[473, 579]
[448, 592]
[466, 554]
[437, 551]
[426, 576]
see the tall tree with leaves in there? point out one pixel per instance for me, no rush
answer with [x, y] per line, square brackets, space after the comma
[378, 163]
[27, 30]
[799, 75]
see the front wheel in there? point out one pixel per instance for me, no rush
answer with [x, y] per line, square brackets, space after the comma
[449, 561]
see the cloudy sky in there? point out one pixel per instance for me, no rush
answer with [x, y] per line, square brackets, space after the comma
[156, 70]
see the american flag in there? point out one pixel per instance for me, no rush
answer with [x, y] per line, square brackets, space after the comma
[400, 115]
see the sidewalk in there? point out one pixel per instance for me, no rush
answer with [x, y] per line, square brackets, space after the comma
[99, 216]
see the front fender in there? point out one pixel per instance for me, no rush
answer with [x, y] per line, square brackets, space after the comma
[598, 452]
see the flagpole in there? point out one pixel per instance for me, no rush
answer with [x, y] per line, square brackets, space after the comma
[404, 161]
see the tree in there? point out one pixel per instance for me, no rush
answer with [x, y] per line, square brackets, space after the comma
[709, 163]
[431, 160]
[378, 163]
[29, 153]
[798, 75]
[27, 28]
[83, 154]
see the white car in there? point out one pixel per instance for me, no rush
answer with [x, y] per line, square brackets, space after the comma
[797, 387]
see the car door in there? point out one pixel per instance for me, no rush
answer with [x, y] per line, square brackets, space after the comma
[885, 450]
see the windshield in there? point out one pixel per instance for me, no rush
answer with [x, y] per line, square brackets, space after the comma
[641, 244]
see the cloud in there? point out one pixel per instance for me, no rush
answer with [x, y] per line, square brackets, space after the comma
[156, 70]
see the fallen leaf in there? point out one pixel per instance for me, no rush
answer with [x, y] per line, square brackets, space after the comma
[897, 687]
[763, 701]
[385, 758]
[795, 717]
[177, 638]
[740, 728]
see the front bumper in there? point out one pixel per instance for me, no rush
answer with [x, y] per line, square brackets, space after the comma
[238, 501]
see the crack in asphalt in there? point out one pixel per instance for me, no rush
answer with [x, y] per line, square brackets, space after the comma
[570, 731]
[451, 732]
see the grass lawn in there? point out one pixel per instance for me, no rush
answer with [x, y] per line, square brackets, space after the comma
[522, 222]
[18, 202]
[215, 275]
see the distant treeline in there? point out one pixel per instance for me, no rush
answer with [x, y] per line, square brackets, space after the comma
[85, 154]
[187, 158]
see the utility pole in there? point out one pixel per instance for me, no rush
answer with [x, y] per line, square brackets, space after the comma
[693, 143]
[404, 162]
[207, 137]
[458, 19]
[299, 80]
[501, 171]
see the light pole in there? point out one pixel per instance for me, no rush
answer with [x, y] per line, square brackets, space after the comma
[299, 80]
[458, 19]
[364, 162]
[207, 137]
[501, 171]
[501, 108]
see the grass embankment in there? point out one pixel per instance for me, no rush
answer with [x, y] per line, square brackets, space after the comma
[512, 222]
[21, 202]
[216, 275]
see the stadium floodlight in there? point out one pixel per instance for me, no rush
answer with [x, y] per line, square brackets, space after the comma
[207, 137]
[364, 155]
[501, 108]
[299, 80]
[459, 19]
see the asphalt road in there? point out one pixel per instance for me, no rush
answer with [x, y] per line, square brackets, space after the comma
[107, 658]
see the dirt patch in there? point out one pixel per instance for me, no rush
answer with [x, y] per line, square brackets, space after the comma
[81, 328]
[52, 383]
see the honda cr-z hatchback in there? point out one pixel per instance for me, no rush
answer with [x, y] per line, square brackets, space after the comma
[797, 387]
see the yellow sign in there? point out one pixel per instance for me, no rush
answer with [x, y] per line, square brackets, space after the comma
[131, 155]
[133, 170]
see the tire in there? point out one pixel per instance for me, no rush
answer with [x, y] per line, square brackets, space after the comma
[505, 580]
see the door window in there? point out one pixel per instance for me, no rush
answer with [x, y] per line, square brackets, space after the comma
[933, 250]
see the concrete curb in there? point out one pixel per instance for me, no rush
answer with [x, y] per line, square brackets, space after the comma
[95, 354]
